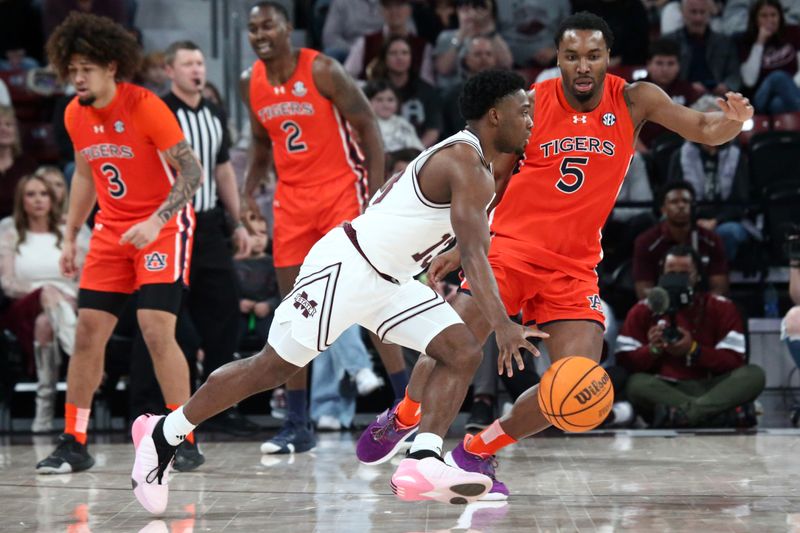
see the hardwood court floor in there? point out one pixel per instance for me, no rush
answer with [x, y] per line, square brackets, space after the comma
[625, 481]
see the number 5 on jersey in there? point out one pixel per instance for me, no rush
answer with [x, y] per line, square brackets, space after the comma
[116, 187]
[293, 134]
[570, 169]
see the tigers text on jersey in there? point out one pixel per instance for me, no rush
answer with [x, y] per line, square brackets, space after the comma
[554, 209]
[311, 141]
[121, 143]
[402, 231]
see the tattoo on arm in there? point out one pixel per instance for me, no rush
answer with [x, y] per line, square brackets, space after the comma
[190, 175]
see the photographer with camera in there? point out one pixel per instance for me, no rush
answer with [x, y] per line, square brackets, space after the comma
[679, 226]
[685, 349]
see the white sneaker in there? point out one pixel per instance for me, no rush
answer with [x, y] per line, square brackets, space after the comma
[328, 423]
[367, 381]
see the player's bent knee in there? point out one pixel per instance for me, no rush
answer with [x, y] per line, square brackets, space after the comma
[456, 347]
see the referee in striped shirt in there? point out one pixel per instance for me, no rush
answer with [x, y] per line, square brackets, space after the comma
[213, 300]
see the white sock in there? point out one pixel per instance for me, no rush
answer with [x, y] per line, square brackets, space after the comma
[427, 441]
[176, 427]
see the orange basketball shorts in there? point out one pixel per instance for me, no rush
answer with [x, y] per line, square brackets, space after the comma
[112, 267]
[541, 294]
[303, 215]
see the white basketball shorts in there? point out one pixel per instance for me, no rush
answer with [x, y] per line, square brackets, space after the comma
[337, 288]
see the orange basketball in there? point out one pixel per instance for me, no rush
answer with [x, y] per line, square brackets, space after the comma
[575, 394]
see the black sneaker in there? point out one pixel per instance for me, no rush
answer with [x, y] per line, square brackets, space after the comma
[188, 457]
[69, 456]
[481, 416]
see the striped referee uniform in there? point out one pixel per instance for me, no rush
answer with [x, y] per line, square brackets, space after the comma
[213, 300]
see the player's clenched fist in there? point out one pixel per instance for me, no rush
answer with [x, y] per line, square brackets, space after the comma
[142, 234]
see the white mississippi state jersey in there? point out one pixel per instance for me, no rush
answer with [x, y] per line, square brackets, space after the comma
[402, 231]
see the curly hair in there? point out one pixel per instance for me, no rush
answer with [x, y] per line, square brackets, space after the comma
[485, 89]
[99, 39]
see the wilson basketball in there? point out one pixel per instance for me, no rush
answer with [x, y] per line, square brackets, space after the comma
[575, 394]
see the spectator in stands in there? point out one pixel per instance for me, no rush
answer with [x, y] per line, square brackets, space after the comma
[476, 18]
[397, 21]
[13, 163]
[398, 161]
[55, 179]
[529, 27]
[153, 73]
[212, 94]
[720, 177]
[347, 20]
[689, 371]
[55, 11]
[709, 59]
[258, 285]
[663, 67]
[419, 101]
[42, 315]
[479, 55]
[671, 18]
[629, 24]
[768, 50]
[397, 132]
[678, 227]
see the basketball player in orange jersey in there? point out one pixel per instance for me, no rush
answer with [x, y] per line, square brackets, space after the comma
[546, 241]
[125, 141]
[302, 104]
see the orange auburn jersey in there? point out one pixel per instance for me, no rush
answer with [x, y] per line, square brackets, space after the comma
[122, 143]
[554, 209]
[311, 141]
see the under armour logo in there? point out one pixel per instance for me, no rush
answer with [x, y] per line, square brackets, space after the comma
[98, 129]
[579, 118]
[280, 90]
[595, 302]
[309, 307]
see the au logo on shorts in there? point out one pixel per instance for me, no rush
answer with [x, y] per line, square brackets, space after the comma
[595, 303]
[308, 307]
[155, 261]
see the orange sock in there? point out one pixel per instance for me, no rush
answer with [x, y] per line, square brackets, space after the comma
[489, 441]
[172, 407]
[77, 420]
[408, 411]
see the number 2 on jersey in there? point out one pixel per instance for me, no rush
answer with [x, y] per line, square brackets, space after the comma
[116, 187]
[574, 172]
[293, 133]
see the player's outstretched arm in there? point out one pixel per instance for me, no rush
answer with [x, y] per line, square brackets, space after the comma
[82, 197]
[648, 102]
[259, 159]
[334, 83]
[470, 192]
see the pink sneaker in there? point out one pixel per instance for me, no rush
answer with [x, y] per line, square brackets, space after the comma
[432, 479]
[150, 475]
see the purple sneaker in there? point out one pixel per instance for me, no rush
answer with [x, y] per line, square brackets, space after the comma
[470, 462]
[383, 438]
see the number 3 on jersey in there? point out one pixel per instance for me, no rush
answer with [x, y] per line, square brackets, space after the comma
[116, 187]
[575, 174]
[293, 133]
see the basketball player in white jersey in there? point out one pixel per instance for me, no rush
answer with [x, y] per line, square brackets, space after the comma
[363, 273]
